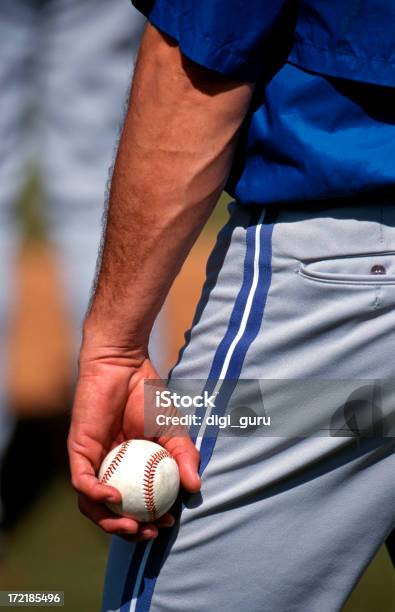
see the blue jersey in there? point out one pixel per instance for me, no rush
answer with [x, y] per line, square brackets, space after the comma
[322, 120]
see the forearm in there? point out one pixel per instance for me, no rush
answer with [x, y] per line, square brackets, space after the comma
[174, 157]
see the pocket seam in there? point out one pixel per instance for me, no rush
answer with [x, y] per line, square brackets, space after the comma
[342, 279]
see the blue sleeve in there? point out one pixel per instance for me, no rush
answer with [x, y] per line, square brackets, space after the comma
[228, 36]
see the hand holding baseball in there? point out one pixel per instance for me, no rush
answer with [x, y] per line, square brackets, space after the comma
[108, 411]
[147, 477]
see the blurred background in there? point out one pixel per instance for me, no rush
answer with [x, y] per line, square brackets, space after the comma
[65, 68]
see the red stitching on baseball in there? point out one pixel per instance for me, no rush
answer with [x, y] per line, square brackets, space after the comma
[148, 481]
[115, 463]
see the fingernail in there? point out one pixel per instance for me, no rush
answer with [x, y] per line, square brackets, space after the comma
[148, 534]
[112, 500]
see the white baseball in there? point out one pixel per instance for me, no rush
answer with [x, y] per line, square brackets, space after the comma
[147, 477]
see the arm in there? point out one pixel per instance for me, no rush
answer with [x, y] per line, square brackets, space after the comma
[173, 160]
[174, 156]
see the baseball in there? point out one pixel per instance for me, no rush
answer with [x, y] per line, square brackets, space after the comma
[146, 476]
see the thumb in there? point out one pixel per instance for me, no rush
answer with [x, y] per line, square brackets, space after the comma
[188, 458]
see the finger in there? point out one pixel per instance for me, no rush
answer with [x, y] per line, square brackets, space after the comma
[136, 538]
[140, 537]
[187, 456]
[85, 481]
[167, 520]
[107, 520]
[149, 531]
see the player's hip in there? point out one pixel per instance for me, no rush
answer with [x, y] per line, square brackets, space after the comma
[297, 292]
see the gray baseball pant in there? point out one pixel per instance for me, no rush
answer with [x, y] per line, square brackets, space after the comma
[283, 523]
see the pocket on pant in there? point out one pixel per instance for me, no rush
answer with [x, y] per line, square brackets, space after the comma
[366, 269]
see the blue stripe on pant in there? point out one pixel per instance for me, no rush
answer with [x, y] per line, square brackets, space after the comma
[244, 325]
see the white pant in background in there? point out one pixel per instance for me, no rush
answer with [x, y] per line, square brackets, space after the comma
[65, 68]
